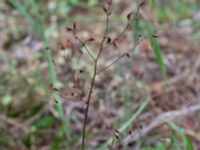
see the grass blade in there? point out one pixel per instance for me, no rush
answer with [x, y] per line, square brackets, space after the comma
[157, 50]
[39, 26]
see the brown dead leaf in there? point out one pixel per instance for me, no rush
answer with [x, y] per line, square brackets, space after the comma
[157, 88]
[146, 46]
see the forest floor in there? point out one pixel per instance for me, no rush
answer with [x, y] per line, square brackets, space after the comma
[135, 103]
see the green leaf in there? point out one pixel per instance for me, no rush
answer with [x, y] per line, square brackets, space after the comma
[188, 143]
[157, 50]
[160, 147]
[43, 123]
[7, 99]
[176, 128]
[57, 141]
[176, 145]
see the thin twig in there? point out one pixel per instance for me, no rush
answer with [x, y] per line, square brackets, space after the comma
[87, 106]
[117, 37]
[108, 66]
[120, 57]
[163, 118]
[108, 12]
[105, 34]
[124, 30]
[83, 45]
[93, 81]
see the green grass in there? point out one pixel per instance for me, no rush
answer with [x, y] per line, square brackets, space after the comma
[157, 50]
[36, 23]
[143, 25]
[127, 124]
[172, 11]
[158, 147]
[179, 140]
[186, 141]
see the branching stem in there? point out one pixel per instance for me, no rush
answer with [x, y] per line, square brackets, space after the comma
[84, 46]
[93, 79]
[95, 72]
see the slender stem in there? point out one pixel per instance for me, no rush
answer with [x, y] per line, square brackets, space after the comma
[115, 61]
[105, 34]
[120, 57]
[83, 44]
[88, 104]
[124, 30]
[93, 81]
[95, 68]
[117, 37]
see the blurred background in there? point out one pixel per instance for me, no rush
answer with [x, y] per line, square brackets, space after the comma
[138, 95]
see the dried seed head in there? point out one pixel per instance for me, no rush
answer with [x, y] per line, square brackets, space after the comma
[127, 55]
[129, 15]
[131, 144]
[154, 35]
[55, 89]
[104, 9]
[129, 132]
[91, 39]
[81, 71]
[116, 134]
[142, 3]
[139, 35]
[74, 26]
[140, 126]
[68, 29]
[61, 46]
[108, 40]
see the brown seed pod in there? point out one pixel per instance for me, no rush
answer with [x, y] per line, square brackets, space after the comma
[74, 26]
[129, 15]
[127, 55]
[116, 134]
[61, 46]
[68, 29]
[108, 40]
[91, 39]
[142, 2]
[104, 9]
